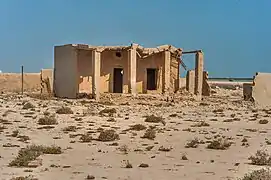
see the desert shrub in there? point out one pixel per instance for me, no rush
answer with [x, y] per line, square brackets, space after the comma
[108, 135]
[155, 119]
[262, 174]
[30, 153]
[137, 127]
[261, 158]
[85, 138]
[263, 121]
[15, 133]
[64, 110]
[48, 120]
[220, 144]
[24, 178]
[194, 143]
[69, 129]
[201, 124]
[128, 165]
[28, 105]
[149, 134]
[164, 149]
[109, 111]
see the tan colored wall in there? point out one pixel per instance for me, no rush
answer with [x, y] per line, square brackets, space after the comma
[154, 61]
[84, 68]
[65, 72]
[174, 74]
[261, 89]
[11, 82]
[109, 61]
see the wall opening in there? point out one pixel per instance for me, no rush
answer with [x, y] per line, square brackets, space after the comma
[151, 79]
[118, 80]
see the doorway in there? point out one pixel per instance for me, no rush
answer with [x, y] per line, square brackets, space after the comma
[118, 80]
[151, 79]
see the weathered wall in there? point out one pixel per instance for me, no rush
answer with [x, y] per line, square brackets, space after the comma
[84, 68]
[65, 71]
[261, 90]
[47, 73]
[11, 82]
[109, 61]
[154, 61]
[174, 74]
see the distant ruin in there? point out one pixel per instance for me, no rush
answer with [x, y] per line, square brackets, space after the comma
[133, 69]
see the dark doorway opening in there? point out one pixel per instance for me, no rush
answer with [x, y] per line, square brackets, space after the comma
[151, 79]
[118, 80]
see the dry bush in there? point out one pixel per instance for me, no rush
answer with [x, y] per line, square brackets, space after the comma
[64, 110]
[86, 138]
[143, 165]
[220, 144]
[261, 158]
[124, 149]
[111, 120]
[30, 153]
[40, 96]
[23, 138]
[137, 127]
[262, 174]
[28, 105]
[164, 149]
[109, 111]
[263, 121]
[201, 124]
[69, 129]
[48, 120]
[15, 133]
[194, 143]
[108, 135]
[128, 165]
[149, 134]
[218, 110]
[155, 119]
[24, 178]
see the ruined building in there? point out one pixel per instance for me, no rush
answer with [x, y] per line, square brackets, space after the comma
[119, 69]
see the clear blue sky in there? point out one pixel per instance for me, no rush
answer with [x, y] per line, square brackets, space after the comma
[235, 35]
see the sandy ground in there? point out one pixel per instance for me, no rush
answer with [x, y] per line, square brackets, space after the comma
[235, 121]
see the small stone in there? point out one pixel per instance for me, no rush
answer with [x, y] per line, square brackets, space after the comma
[90, 177]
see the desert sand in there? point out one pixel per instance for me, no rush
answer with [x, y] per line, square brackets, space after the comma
[183, 119]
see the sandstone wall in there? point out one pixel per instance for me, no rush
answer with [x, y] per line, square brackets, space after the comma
[11, 82]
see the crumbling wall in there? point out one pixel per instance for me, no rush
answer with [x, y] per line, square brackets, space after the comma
[44, 75]
[12, 82]
[206, 90]
[261, 89]
[174, 74]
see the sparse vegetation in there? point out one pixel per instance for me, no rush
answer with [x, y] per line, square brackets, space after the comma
[150, 134]
[219, 144]
[28, 105]
[108, 111]
[194, 143]
[48, 120]
[64, 110]
[261, 158]
[15, 133]
[137, 127]
[263, 121]
[108, 135]
[128, 165]
[155, 119]
[201, 124]
[262, 174]
[30, 153]
[69, 129]
[86, 138]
